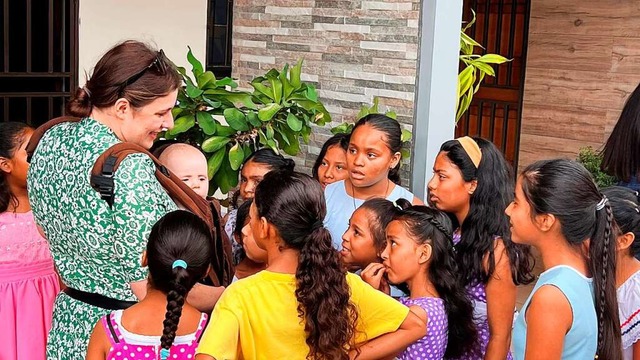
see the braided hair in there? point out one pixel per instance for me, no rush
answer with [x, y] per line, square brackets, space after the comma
[565, 189]
[427, 225]
[625, 204]
[178, 253]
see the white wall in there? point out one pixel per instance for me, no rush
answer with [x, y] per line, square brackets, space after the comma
[167, 24]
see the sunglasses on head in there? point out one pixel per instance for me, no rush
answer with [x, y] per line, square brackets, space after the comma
[159, 63]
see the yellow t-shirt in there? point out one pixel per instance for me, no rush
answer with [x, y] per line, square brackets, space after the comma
[257, 318]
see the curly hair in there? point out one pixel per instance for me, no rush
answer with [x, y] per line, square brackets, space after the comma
[294, 203]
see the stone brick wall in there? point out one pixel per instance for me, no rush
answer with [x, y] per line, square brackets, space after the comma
[354, 50]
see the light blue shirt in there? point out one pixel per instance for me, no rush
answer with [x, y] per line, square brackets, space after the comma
[340, 207]
[581, 342]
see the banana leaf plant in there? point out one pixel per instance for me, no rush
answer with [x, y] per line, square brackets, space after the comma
[475, 68]
[229, 125]
[347, 128]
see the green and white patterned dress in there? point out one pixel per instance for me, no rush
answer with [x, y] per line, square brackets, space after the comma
[96, 248]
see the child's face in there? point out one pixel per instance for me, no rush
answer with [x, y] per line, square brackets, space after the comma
[358, 248]
[447, 189]
[519, 213]
[333, 167]
[190, 166]
[403, 257]
[369, 159]
[254, 252]
[17, 166]
[250, 176]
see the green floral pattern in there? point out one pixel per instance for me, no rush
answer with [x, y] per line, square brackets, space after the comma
[95, 248]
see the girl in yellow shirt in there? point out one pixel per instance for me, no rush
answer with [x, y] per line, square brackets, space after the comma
[304, 305]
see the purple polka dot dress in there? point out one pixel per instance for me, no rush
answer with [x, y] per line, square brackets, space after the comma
[433, 345]
[478, 296]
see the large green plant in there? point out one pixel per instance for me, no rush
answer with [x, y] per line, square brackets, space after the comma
[476, 67]
[229, 125]
[591, 160]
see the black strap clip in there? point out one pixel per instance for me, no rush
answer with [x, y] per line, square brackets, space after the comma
[103, 183]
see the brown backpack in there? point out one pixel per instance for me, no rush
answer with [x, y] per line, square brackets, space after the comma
[102, 181]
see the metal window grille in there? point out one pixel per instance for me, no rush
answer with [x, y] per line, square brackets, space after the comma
[219, 23]
[38, 66]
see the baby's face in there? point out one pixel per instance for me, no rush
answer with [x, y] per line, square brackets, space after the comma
[192, 169]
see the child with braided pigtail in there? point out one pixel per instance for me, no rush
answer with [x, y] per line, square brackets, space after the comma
[178, 256]
[572, 312]
[625, 204]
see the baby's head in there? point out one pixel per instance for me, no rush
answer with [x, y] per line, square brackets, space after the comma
[189, 164]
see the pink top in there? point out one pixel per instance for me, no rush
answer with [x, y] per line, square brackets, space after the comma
[127, 345]
[20, 241]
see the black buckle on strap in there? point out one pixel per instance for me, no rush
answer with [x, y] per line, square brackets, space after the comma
[103, 183]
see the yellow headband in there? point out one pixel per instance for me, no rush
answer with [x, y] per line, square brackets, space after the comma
[472, 149]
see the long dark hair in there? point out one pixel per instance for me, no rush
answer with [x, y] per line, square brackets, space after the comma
[430, 226]
[486, 218]
[380, 215]
[12, 134]
[625, 205]
[241, 218]
[621, 153]
[566, 190]
[179, 235]
[341, 140]
[393, 137]
[115, 76]
[294, 203]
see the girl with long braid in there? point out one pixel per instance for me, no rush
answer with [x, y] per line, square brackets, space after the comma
[304, 305]
[162, 326]
[572, 312]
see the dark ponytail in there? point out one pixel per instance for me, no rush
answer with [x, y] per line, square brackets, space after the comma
[393, 138]
[294, 204]
[566, 190]
[427, 225]
[178, 253]
[12, 135]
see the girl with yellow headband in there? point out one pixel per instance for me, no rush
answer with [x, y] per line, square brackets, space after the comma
[473, 184]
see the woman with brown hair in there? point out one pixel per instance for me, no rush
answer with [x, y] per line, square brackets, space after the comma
[97, 248]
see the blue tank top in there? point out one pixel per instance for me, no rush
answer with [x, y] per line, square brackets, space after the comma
[340, 207]
[581, 342]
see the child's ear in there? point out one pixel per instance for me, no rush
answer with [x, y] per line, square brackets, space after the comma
[6, 165]
[425, 253]
[545, 222]
[395, 159]
[625, 241]
[144, 262]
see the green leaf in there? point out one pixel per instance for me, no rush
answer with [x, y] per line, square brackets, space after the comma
[272, 144]
[287, 88]
[175, 112]
[469, 41]
[392, 114]
[214, 162]
[265, 90]
[276, 89]
[206, 122]
[312, 94]
[262, 137]
[282, 135]
[294, 123]
[269, 134]
[405, 153]
[252, 118]
[306, 134]
[374, 108]
[465, 79]
[222, 130]
[186, 77]
[294, 75]
[235, 97]
[214, 143]
[193, 91]
[181, 125]
[206, 79]
[226, 178]
[492, 59]
[344, 128]
[364, 111]
[484, 68]
[212, 103]
[236, 119]
[227, 81]
[197, 65]
[268, 112]
[247, 150]
[406, 135]
[236, 156]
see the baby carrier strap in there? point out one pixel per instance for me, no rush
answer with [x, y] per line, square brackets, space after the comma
[102, 181]
[39, 132]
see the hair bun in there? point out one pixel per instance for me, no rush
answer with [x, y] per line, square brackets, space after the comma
[403, 204]
[80, 104]
[289, 164]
